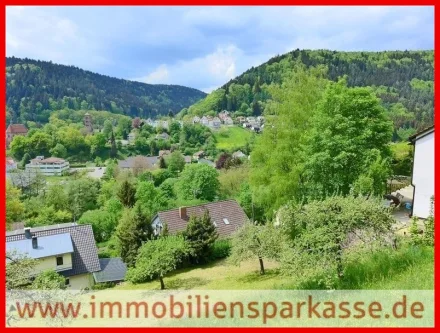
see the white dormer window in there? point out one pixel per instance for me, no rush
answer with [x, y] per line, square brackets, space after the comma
[225, 220]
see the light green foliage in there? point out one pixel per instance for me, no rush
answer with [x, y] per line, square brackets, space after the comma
[200, 235]
[350, 138]
[256, 241]
[198, 181]
[158, 258]
[56, 196]
[321, 232]
[133, 230]
[405, 133]
[175, 162]
[425, 235]
[231, 180]
[83, 195]
[18, 270]
[59, 151]
[150, 198]
[102, 221]
[14, 207]
[277, 159]
[400, 116]
[168, 187]
[214, 101]
[49, 280]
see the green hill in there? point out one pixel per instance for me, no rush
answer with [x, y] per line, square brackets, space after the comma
[36, 88]
[403, 80]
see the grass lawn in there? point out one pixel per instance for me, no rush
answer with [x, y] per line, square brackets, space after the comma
[406, 268]
[400, 149]
[231, 138]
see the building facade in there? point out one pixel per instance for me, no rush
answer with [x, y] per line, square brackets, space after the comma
[423, 172]
[52, 166]
[13, 130]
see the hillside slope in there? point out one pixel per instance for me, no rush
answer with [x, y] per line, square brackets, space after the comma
[403, 80]
[35, 88]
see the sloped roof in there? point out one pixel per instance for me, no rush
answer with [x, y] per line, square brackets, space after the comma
[421, 134]
[85, 253]
[17, 129]
[112, 269]
[149, 161]
[48, 246]
[218, 211]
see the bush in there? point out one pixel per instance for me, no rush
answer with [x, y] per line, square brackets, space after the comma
[221, 249]
[103, 285]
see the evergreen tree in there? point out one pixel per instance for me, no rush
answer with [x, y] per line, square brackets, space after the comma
[127, 194]
[113, 150]
[200, 234]
[162, 163]
[134, 229]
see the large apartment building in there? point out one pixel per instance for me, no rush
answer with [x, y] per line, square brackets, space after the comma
[52, 166]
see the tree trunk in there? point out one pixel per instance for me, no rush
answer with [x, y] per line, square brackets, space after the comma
[339, 267]
[261, 266]
[162, 285]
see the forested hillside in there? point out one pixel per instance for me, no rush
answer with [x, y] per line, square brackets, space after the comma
[36, 88]
[403, 80]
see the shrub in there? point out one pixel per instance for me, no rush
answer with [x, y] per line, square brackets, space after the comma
[221, 249]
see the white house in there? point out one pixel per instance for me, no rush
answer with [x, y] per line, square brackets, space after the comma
[423, 172]
[228, 121]
[196, 120]
[52, 166]
[215, 122]
[204, 121]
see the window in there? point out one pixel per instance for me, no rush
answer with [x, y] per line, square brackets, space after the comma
[67, 282]
[59, 261]
[225, 220]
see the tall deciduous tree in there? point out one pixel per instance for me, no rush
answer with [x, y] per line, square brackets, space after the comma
[14, 207]
[158, 258]
[351, 132]
[175, 162]
[277, 160]
[198, 181]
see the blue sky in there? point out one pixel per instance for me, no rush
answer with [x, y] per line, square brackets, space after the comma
[204, 47]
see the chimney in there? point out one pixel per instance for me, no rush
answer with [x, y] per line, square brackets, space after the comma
[27, 233]
[34, 242]
[182, 212]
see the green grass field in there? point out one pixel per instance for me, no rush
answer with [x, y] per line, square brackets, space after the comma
[406, 268]
[231, 138]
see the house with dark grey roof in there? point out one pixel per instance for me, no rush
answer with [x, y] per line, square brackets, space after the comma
[139, 163]
[227, 216]
[67, 248]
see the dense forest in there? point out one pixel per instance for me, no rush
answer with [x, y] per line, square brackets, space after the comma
[403, 80]
[36, 88]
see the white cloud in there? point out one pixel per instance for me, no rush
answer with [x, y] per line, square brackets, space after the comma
[215, 68]
[159, 75]
[204, 47]
[36, 33]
